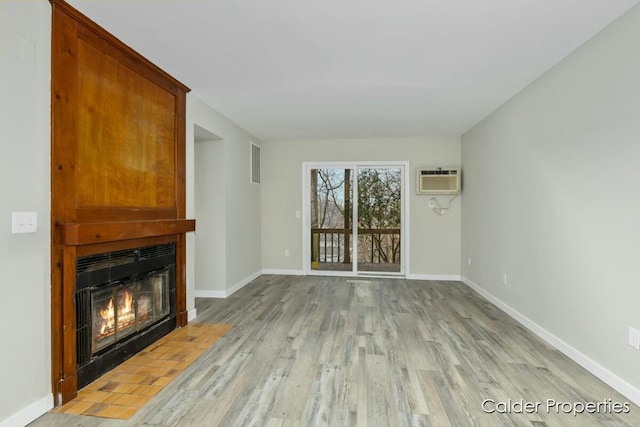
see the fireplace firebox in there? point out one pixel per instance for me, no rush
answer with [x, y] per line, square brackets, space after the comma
[125, 300]
[124, 308]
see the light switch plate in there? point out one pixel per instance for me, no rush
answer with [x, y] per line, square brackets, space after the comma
[24, 222]
[634, 338]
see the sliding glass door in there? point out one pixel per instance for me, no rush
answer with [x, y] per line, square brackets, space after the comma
[331, 195]
[369, 197]
[379, 219]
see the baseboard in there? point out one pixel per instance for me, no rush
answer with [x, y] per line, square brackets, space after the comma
[623, 387]
[244, 282]
[192, 315]
[283, 272]
[223, 294]
[440, 277]
[209, 294]
[30, 413]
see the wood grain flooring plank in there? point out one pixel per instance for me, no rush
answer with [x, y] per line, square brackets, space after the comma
[435, 406]
[339, 351]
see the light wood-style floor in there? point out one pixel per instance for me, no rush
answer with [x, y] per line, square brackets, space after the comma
[325, 351]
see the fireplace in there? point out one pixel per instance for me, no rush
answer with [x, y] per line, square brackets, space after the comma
[125, 300]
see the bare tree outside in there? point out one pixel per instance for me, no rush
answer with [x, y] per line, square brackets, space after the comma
[329, 211]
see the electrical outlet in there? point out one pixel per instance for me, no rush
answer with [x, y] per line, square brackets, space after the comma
[286, 252]
[504, 279]
[634, 338]
[469, 261]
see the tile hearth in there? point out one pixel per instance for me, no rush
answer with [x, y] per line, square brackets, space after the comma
[121, 392]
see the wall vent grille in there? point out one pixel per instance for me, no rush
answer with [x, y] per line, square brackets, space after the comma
[255, 163]
[127, 256]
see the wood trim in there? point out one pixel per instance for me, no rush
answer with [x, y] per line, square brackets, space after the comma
[101, 33]
[63, 88]
[182, 317]
[181, 173]
[69, 380]
[64, 92]
[99, 232]
[57, 342]
[109, 213]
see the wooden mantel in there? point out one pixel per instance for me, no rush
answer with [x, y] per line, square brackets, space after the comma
[90, 233]
[117, 167]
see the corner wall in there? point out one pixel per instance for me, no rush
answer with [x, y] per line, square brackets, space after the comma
[551, 200]
[435, 239]
[25, 74]
[239, 205]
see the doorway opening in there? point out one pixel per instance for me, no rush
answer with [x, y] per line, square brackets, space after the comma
[210, 209]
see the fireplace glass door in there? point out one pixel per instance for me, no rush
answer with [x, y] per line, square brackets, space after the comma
[124, 308]
[153, 298]
[104, 319]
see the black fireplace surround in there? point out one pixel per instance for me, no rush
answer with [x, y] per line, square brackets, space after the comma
[125, 300]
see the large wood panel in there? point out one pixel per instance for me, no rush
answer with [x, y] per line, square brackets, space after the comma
[117, 166]
[126, 135]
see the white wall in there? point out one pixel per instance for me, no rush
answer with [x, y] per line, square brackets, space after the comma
[551, 199]
[435, 240]
[210, 196]
[25, 306]
[237, 205]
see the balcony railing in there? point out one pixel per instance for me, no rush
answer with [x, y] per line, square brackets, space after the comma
[375, 246]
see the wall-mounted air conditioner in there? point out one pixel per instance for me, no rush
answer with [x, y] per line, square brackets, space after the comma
[438, 181]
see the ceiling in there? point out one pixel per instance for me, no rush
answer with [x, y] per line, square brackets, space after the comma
[301, 69]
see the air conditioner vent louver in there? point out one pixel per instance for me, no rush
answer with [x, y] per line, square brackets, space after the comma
[438, 181]
[439, 172]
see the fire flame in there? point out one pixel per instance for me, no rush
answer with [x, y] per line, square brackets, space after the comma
[126, 315]
[127, 308]
[108, 317]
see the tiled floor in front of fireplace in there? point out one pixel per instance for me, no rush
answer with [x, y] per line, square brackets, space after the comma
[121, 392]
